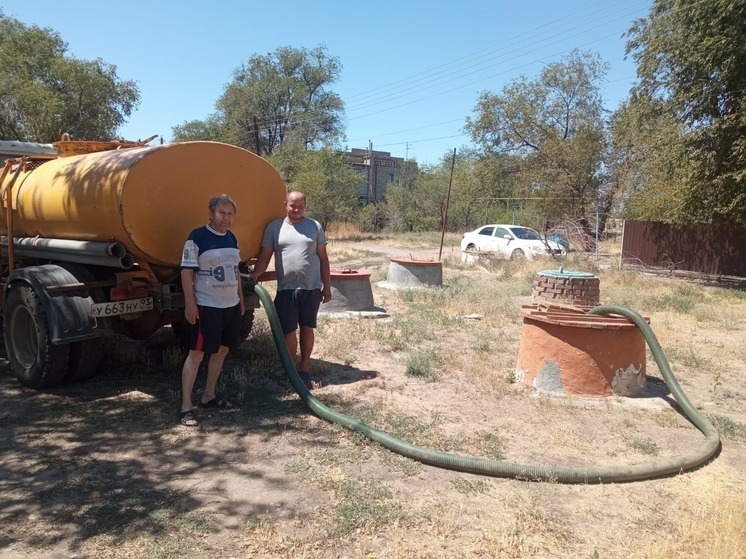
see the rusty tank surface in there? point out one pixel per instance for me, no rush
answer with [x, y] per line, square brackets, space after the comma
[147, 198]
[564, 350]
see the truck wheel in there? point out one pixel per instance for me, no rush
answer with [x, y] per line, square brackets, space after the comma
[84, 359]
[36, 362]
[247, 324]
[181, 330]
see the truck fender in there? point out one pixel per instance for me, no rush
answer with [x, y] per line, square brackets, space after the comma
[69, 312]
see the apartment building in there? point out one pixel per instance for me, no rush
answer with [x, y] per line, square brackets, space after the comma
[377, 169]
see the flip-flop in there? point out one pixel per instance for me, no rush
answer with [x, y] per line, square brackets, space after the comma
[216, 402]
[188, 419]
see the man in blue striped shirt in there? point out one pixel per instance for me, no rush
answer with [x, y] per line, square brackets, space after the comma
[214, 303]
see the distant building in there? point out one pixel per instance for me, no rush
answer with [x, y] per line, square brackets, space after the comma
[10, 149]
[377, 170]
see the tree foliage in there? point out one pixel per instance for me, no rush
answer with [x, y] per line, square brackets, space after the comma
[45, 93]
[211, 129]
[283, 98]
[553, 127]
[484, 188]
[691, 60]
[648, 161]
[325, 177]
[399, 209]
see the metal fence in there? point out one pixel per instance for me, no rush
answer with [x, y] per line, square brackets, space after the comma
[708, 249]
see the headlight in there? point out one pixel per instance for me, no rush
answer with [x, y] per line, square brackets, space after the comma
[538, 249]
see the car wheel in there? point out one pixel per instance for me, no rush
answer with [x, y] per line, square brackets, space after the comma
[517, 254]
[471, 247]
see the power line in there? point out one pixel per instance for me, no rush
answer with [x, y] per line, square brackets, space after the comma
[422, 140]
[578, 24]
[421, 81]
[513, 44]
[517, 50]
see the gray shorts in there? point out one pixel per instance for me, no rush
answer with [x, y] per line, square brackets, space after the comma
[297, 307]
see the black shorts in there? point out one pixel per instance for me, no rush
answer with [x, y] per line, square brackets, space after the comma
[216, 327]
[297, 307]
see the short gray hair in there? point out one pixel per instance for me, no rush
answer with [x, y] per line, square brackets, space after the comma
[297, 194]
[224, 199]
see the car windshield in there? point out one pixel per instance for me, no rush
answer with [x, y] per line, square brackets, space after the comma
[525, 233]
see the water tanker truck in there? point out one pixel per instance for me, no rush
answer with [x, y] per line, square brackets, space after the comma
[91, 242]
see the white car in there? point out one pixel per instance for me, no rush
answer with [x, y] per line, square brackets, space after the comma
[510, 241]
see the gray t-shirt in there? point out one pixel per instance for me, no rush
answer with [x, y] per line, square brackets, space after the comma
[296, 262]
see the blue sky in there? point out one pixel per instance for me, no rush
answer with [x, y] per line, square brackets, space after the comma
[412, 70]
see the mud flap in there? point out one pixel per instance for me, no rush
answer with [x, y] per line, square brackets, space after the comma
[68, 311]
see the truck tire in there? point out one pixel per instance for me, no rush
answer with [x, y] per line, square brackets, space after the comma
[36, 362]
[181, 333]
[247, 324]
[84, 360]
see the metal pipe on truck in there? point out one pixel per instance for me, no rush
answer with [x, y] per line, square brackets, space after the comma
[112, 254]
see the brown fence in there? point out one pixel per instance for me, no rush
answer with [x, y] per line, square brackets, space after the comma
[708, 249]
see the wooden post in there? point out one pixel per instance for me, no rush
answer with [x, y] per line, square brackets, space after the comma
[448, 201]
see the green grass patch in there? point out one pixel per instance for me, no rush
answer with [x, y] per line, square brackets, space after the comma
[470, 486]
[364, 505]
[644, 445]
[421, 363]
[728, 428]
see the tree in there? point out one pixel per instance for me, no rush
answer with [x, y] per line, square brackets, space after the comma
[325, 177]
[692, 72]
[283, 97]
[416, 201]
[399, 208]
[482, 189]
[555, 126]
[648, 161]
[210, 129]
[44, 93]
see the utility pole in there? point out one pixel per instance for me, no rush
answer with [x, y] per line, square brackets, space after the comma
[406, 152]
[370, 165]
[448, 200]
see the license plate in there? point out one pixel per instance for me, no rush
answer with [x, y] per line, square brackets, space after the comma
[121, 307]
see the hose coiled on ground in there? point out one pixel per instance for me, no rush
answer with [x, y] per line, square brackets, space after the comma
[498, 468]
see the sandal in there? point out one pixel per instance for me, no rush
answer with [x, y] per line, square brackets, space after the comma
[188, 419]
[216, 402]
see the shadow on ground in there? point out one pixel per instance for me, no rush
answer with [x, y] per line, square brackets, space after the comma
[104, 456]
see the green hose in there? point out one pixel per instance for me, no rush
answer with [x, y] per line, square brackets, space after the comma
[498, 468]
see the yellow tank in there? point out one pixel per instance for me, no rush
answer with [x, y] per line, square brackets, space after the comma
[147, 198]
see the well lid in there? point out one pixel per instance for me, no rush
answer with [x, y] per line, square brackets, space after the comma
[562, 273]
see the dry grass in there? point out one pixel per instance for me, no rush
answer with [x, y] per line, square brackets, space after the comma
[100, 469]
[711, 522]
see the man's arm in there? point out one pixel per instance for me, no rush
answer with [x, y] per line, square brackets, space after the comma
[326, 275]
[262, 261]
[191, 313]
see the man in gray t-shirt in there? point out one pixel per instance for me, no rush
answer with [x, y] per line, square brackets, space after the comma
[303, 276]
